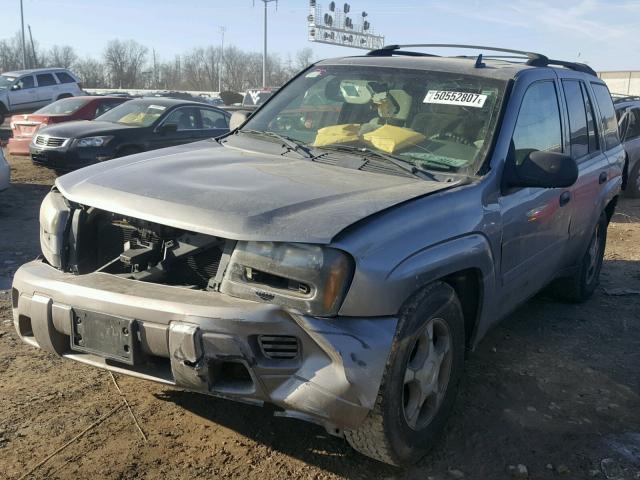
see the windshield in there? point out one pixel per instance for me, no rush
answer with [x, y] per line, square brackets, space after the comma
[6, 82]
[65, 106]
[435, 120]
[134, 113]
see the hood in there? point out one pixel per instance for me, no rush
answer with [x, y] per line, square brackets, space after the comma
[85, 128]
[207, 188]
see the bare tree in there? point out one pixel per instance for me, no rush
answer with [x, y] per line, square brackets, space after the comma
[304, 58]
[91, 72]
[124, 65]
[62, 56]
[124, 61]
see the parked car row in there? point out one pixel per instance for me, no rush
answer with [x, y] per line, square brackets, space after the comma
[339, 252]
[24, 126]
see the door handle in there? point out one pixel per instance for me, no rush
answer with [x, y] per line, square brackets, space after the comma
[602, 178]
[565, 198]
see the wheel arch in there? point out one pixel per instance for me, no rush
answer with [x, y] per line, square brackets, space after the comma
[610, 208]
[465, 263]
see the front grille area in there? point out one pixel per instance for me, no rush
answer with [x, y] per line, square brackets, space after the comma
[47, 141]
[151, 252]
[279, 347]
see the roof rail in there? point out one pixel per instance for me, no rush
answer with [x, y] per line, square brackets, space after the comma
[533, 59]
[623, 97]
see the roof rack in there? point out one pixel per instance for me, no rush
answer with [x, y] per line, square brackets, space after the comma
[532, 59]
[623, 97]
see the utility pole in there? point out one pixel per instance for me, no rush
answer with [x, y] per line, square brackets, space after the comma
[24, 50]
[264, 54]
[33, 49]
[222, 30]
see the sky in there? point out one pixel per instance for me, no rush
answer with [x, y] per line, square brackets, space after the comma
[603, 33]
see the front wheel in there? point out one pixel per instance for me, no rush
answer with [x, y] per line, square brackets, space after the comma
[420, 381]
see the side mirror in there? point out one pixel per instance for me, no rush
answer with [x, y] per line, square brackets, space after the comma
[238, 118]
[168, 128]
[15, 86]
[542, 170]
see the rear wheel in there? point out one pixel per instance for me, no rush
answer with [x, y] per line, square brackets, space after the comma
[64, 95]
[633, 182]
[420, 382]
[581, 285]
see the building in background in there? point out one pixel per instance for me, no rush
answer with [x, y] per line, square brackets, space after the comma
[623, 82]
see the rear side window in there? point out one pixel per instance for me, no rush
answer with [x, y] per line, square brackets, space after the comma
[64, 77]
[212, 119]
[46, 79]
[577, 118]
[609, 122]
[633, 130]
[538, 126]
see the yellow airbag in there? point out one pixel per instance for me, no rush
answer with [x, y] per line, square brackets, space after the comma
[344, 133]
[390, 138]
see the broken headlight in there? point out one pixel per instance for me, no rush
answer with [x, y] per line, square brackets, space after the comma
[54, 216]
[307, 278]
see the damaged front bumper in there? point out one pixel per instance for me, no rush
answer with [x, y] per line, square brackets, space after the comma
[324, 370]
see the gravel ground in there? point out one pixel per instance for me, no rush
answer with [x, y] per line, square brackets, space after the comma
[555, 390]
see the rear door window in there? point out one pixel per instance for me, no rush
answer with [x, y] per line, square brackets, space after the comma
[579, 134]
[608, 114]
[46, 79]
[538, 126]
[64, 77]
[212, 119]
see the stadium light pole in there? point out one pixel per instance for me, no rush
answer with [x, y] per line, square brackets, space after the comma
[264, 53]
[222, 30]
[24, 48]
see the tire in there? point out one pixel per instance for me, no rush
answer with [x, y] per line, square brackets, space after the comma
[580, 286]
[64, 95]
[397, 431]
[633, 182]
[2, 116]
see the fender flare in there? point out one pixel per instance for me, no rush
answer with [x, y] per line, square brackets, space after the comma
[386, 296]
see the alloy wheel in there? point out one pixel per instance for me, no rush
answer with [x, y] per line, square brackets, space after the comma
[427, 374]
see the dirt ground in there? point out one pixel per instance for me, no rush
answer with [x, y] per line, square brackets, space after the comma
[555, 388]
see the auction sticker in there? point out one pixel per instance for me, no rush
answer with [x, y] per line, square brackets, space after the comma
[463, 99]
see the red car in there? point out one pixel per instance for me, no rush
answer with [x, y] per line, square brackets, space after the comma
[24, 126]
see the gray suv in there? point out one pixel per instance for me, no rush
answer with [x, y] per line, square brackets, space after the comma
[338, 253]
[28, 90]
[628, 113]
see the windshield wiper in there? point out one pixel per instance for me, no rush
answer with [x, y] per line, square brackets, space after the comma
[405, 165]
[291, 143]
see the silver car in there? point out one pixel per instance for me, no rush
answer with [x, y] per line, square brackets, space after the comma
[339, 252]
[5, 172]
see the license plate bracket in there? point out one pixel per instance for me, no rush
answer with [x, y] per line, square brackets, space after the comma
[105, 335]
